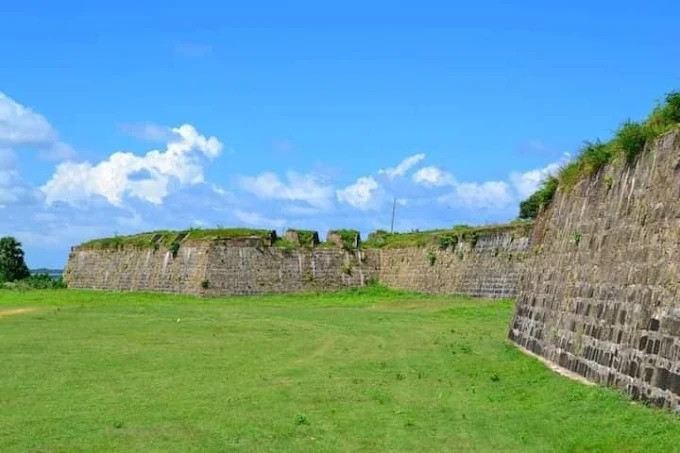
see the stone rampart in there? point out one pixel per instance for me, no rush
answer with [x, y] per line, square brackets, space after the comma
[486, 264]
[600, 293]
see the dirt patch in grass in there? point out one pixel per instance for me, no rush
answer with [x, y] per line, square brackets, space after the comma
[15, 311]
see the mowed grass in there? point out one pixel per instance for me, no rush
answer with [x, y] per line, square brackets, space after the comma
[369, 370]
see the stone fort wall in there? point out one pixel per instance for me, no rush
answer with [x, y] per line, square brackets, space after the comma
[215, 268]
[489, 267]
[600, 293]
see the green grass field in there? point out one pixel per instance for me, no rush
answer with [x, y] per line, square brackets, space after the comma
[369, 370]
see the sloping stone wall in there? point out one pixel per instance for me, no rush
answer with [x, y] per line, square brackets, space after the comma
[488, 268]
[600, 294]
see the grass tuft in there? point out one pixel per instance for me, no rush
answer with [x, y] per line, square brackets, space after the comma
[166, 238]
[629, 142]
[443, 239]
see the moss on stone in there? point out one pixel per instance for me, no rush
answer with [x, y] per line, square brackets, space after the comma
[165, 238]
[443, 239]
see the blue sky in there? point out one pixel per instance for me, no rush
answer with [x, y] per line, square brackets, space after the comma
[138, 115]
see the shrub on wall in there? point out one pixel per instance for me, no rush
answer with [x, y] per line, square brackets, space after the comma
[174, 248]
[307, 238]
[447, 240]
[631, 139]
[628, 143]
[348, 238]
[529, 208]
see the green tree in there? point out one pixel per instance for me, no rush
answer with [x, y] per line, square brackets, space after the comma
[12, 265]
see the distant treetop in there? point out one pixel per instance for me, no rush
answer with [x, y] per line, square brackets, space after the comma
[12, 264]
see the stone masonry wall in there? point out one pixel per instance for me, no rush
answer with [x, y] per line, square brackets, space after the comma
[600, 295]
[248, 270]
[138, 269]
[214, 268]
[489, 268]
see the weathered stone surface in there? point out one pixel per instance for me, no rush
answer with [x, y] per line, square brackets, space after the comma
[488, 267]
[220, 267]
[599, 294]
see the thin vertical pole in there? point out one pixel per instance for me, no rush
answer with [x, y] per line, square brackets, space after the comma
[394, 207]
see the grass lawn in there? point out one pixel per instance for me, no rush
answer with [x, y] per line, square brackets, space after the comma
[370, 370]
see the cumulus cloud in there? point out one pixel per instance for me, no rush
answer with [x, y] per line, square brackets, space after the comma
[404, 166]
[362, 194]
[7, 159]
[309, 189]
[489, 194]
[433, 176]
[13, 189]
[22, 127]
[147, 177]
[528, 182]
[367, 193]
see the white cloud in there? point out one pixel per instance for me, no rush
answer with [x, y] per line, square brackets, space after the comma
[404, 166]
[151, 132]
[362, 194]
[13, 189]
[258, 220]
[308, 188]
[489, 194]
[433, 176]
[7, 159]
[528, 182]
[22, 127]
[145, 177]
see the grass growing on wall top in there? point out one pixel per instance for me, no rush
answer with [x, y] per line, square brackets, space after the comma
[306, 237]
[348, 237]
[165, 238]
[626, 145]
[444, 238]
[360, 370]
[441, 238]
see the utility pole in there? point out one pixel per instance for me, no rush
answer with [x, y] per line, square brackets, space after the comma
[394, 208]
